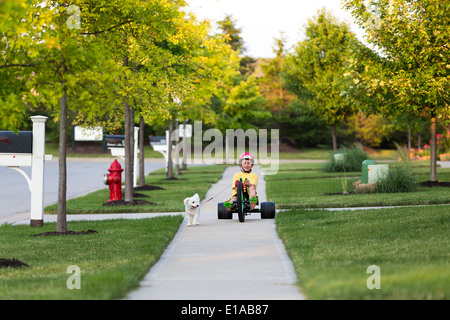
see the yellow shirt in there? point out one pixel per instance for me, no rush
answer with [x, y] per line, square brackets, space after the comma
[252, 177]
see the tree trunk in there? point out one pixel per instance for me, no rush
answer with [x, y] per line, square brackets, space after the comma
[409, 134]
[129, 150]
[129, 145]
[333, 137]
[141, 152]
[169, 154]
[419, 141]
[61, 220]
[433, 157]
[184, 164]
[177, 156]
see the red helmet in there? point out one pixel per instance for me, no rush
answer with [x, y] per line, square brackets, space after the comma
[246, 156]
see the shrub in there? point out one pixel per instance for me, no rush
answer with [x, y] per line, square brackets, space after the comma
[398, 179]
[352, 160]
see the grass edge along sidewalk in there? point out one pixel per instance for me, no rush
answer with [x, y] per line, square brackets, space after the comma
[331, 250]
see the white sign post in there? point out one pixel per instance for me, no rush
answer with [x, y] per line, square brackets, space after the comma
[35, 160]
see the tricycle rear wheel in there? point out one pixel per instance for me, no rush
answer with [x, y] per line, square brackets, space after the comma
[267, 210]
[222, 212]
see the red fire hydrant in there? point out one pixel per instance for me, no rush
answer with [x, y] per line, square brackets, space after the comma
[114, 180]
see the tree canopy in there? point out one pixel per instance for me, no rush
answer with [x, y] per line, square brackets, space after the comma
[410, 71]
[315, 70]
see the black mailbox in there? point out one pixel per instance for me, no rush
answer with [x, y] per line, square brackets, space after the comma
[157, 141]
[115, 140]
[10, 142]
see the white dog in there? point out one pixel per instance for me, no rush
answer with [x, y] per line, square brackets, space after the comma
[192, 205]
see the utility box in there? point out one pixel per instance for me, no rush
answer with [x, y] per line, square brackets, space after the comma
[339, 157]
[377, 171]
[365, 171]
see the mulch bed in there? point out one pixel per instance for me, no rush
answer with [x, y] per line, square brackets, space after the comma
[68, 233]
[128, 203]
[13, 263]
[140, 195]
[434, 184]
[136, 202]
[148, 187]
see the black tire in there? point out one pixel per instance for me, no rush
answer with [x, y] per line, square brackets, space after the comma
[222, 212]
[267, 210]
[240, 202]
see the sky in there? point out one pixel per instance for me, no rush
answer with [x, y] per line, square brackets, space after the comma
[262, 20]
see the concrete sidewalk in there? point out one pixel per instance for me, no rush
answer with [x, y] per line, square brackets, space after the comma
[223, 259]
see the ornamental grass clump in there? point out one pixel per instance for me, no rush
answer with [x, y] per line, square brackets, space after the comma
[350, 160]
[399, 178]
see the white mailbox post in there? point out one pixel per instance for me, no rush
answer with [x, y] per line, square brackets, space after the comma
[34, 158]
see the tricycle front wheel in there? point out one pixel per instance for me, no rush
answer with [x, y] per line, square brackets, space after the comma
[240, 201]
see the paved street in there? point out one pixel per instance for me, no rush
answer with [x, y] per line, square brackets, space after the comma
[83, 176]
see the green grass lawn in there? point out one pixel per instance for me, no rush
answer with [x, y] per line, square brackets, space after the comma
[306, 186]
[331, 251]
[111, 262]
[197, 179]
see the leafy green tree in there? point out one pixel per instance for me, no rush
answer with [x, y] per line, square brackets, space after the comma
[14, 61]
[59, 68]
[370, 130]
[409, 72]
[271, 83]
[243, 105]
[237, 102]
[153, 42]
[190, 73]
[315, 70]
[232, 32]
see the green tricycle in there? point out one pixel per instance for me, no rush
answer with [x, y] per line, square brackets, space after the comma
[241, 206]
